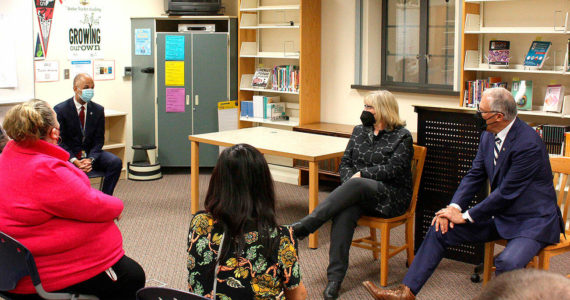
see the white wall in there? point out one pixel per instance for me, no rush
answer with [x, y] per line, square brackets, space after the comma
[340, 103]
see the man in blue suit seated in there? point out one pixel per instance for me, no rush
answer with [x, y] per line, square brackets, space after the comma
[521, 207]
[82, 126]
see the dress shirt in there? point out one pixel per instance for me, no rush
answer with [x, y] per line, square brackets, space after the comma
[78, 108]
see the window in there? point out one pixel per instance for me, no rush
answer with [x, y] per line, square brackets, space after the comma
[416, 39]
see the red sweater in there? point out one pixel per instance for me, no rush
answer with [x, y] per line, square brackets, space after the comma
[48, 205]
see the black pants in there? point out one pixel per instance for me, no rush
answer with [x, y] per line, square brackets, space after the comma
[345, 205]
[130, 278]
[111, 165]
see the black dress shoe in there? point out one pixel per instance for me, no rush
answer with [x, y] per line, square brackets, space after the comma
[331, 291]
[299, 231]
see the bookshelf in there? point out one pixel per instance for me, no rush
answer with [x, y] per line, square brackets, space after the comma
[281, 32]
[115, 122]
[520, 22]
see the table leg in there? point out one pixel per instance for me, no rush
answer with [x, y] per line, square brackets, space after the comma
[194, 177]
[313, 199]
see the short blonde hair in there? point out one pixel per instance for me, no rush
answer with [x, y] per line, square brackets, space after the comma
[31, 120]
[386, 108]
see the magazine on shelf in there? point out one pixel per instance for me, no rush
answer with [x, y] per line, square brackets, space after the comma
[261, 78]
[522, 91]
[536, 54]
[554, 98]
[499, 53]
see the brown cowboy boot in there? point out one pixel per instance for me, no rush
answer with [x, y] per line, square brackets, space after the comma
[402, 292]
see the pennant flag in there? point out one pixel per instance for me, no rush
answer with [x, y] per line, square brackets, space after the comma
[39, 53]
[44, 9]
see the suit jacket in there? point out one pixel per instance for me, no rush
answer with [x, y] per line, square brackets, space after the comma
[522, 199]
[72, 139]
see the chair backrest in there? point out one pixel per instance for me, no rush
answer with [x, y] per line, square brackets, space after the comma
[417, 169]
[162, 293]
[561, 169]
[16, 261]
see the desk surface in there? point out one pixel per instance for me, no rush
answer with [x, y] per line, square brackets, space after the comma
[292, 144]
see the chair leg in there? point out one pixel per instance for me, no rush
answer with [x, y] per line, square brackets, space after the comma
[543, 261]
[410, 240]
[101, 183]
[384, 247]
[374, 238]
[488, 262]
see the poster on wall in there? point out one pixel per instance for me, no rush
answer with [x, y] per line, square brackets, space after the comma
[104, 69]
[84, 29]
[44, 10]
[142, 41]
[46, 71]
[81, 66]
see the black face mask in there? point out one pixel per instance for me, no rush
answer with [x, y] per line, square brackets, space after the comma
[482, 122]
[367, 118]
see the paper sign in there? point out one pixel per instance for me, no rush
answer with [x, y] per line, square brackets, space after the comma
[81, 66]
[175, 99]
[142, 41]
[174, 47]
[104, 69]
[174, 73]
[46, 71]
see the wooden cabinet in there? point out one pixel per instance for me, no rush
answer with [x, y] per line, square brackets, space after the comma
[115, 122]
[281, 32]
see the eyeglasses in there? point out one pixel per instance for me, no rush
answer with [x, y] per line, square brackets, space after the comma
[366, 106]
[489, 111]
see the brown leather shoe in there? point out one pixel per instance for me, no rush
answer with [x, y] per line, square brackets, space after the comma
[402, 292]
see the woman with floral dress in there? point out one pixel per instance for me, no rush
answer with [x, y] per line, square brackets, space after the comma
[236, 250]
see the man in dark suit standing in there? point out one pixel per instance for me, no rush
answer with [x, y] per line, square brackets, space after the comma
[83, 133]
[521, 207]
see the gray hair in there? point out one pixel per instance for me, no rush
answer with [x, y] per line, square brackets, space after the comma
[527, 284]
[502, 101]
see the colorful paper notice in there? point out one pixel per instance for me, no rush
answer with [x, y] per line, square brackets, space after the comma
[46, 71]
[175, 99]
[104, 69]
[174, 47]
[142, 41]
[81, 66]
[174, 73]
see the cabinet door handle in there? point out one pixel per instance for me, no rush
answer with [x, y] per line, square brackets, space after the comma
[187, 99]
[196, 100]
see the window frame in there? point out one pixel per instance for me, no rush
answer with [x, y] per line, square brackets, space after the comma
[422, 86]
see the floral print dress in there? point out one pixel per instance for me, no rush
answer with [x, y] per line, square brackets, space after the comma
[249, 276]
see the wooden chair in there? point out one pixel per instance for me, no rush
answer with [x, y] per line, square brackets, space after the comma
[385, 225]
[561, 169]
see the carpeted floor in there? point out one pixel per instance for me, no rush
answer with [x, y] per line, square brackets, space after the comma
[157, 215]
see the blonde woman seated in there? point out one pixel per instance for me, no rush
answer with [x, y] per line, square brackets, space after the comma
[236, 250]
[48, 205]
[376, 180]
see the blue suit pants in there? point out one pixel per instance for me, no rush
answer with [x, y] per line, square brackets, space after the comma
[518, 252]
[111, 165]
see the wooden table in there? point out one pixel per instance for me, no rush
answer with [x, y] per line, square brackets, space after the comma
[297, 145]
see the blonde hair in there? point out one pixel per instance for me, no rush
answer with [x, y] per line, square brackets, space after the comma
[386, 109]
[31, 120]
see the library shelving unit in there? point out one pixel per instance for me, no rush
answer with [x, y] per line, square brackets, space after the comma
[281, 32]
[115, 135]
[520, 22]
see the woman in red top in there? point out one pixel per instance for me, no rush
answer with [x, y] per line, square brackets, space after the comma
[48, 205]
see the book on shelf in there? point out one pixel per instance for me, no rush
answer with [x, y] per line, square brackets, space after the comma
[261, 78]
[247, 109]
[474, 89]
[499, 53]
[554, 98]
[522, 92]
[266, 108]
[568, 56]
[537, 54]
[285, 78]
[276, 111]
